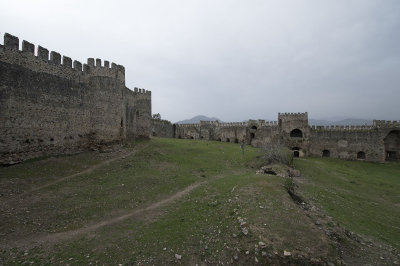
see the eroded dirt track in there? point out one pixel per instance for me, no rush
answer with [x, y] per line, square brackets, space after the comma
[148, 211]
[26, 194]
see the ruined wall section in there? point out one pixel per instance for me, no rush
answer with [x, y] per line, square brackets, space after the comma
[378, 142]
[345, 142]
[188, 131]
[138, 113]
[162, 128]
[230, 132]
[51, 105]
[261, 132]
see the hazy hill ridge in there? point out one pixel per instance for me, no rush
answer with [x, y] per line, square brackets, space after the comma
[197, 119]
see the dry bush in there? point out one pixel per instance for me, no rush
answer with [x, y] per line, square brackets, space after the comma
[276, 153]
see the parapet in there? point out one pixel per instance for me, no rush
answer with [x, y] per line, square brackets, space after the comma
[56, 64]
[137, 90]
[297, 116]
[386, 123]
[234, 124]
[340, 128]
[188, 125]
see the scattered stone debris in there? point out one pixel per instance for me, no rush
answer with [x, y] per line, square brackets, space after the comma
[287, 253]
[293, 172]
[178, 257]
[262, 245]
[266, 170]
[263, 254]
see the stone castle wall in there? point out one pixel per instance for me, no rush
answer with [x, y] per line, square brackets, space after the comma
[162, 128]
[51, 105]
[377, 142]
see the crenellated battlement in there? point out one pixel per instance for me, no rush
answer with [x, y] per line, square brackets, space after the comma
[341, 128]
[141, 91]
[294, 115]
[56, 64]
[386, 123]
[269, 123]
[189, 125]
[52, 104]
[234, 124]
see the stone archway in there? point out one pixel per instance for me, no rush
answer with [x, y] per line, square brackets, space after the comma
[326, 153]
[392, 146]
[296, 133]
[296, 152]
[361, 155]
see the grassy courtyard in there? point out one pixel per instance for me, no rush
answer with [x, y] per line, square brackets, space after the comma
[170, 201]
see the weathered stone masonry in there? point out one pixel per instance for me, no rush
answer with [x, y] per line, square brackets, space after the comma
[378, 142]
[55, 106]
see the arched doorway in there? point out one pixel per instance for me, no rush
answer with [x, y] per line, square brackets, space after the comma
[236, 141]
[392, 145]
[361, 155]
[228, 140]
[326, 153]
[219, 139]
[296, 133]
[296, 152]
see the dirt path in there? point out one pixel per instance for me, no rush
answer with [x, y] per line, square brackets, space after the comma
[86, 171]
[144, 211]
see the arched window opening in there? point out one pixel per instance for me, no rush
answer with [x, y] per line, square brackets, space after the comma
[254, 127]
[154, 133]
[361, 155]
[252, 135]
[296, 133]
[326, 153]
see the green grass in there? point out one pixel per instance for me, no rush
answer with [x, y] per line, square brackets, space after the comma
[199, 226]
[362, 196]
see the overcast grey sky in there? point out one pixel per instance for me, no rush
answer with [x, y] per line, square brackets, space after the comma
[230, 59]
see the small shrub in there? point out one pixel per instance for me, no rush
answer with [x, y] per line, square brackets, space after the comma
[276, 153]
[289, 184]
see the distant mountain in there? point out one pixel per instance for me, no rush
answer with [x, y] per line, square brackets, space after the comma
[343, 122]
[197, 119]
